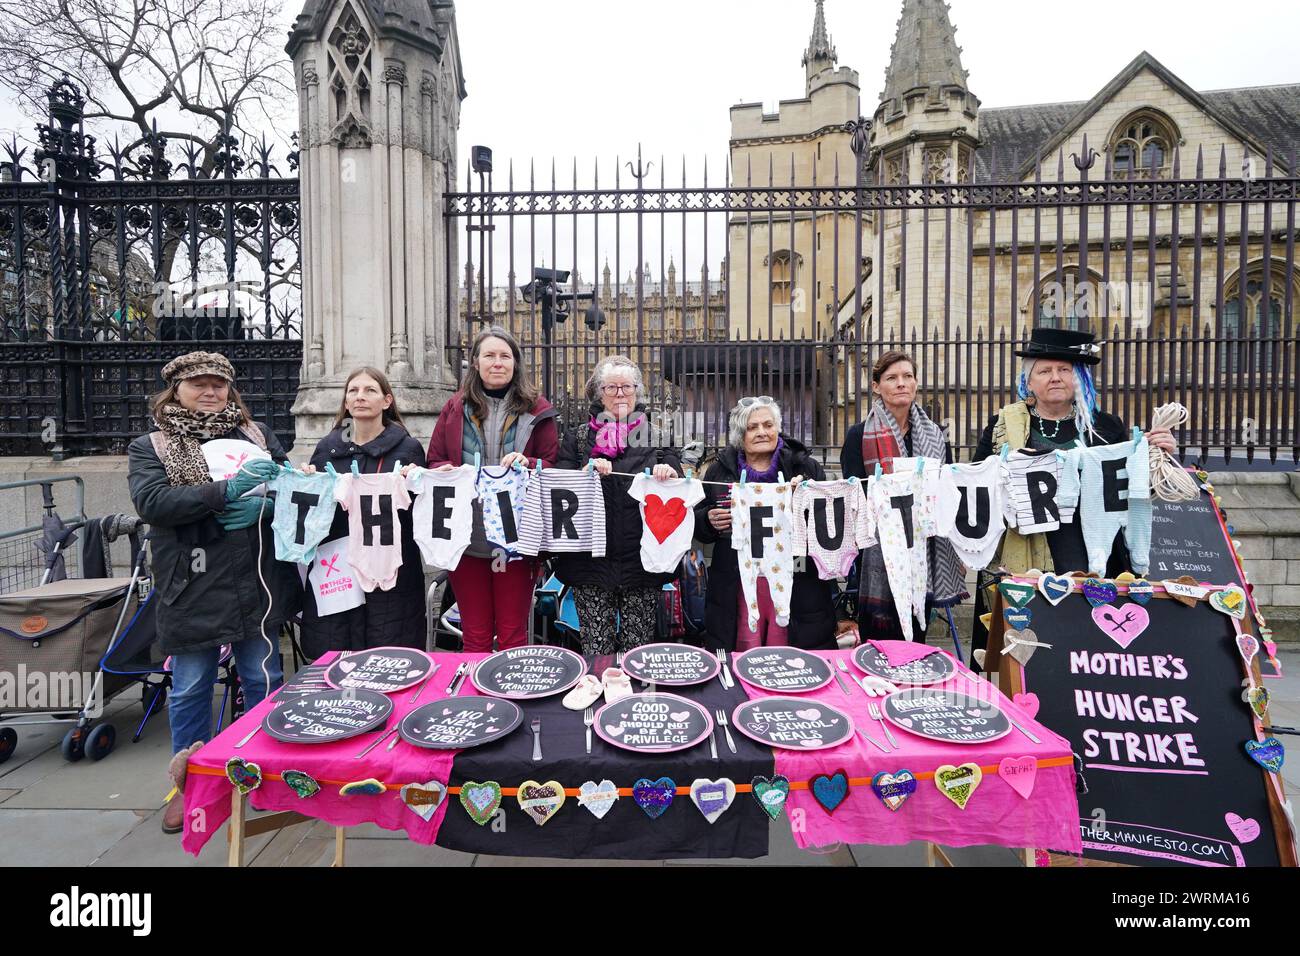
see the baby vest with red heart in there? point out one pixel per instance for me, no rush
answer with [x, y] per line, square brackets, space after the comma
[667, 519]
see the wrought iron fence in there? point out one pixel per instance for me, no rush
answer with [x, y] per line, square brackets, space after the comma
[1188, 281]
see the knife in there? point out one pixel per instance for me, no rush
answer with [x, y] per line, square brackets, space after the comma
[840, 680]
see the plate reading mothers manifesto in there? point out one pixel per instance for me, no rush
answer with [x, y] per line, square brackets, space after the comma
[782, 670]
[932, 669]
[382, 669]
[456, 722]
[792, 723]
[677, 665]
[946, 716]
[329, 715]
[535, 670]
[653, 723]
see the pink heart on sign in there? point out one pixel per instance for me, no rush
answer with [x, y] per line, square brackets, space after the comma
[1121, 624]
[1243, 830]
[810, 743]
[812, 713]
[446, 711]
[347, 667]
[488, 706]
[796, 662]
[410, 675]
[1019, 773]
[1028, 703]
[680, 715]
[490, 730]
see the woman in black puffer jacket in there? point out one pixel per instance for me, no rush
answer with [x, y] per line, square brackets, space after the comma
[617, 438]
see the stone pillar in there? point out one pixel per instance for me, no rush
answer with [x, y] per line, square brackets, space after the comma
[379, 92]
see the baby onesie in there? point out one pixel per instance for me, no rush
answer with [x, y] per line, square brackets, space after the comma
[564, 512]
[1115, 493]
[972, 510]
[900, 514]
[501, 494]
[443, 513]
[304, 511]
[374, 530]
[667, 519]
[762, 530]
[826, 525]
[1041, 495]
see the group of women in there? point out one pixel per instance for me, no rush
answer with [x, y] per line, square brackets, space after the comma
[219, 584]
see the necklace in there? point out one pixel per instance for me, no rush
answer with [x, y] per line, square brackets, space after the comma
[1042, 429]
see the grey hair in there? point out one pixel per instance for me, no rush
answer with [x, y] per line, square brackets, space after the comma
[604, 367]
[739, 420]
[1082, 401]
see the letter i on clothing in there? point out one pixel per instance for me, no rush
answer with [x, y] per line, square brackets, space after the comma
[304, 511]
[763, 533]
[900, 515]
[826, 523]
[443, 513]
[501, 493]
[374, 534]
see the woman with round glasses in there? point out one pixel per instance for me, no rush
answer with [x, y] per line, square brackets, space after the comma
[616, 596]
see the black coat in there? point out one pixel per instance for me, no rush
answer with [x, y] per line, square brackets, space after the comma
[393, 618]
[206, 578]
[620, 569]
[812, 608]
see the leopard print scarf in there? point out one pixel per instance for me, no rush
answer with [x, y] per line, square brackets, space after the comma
[185, 432]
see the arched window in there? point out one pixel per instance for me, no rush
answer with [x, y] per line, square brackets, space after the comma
[782, 265]
[1070, 299]
[1252, 345]
[1142, 146]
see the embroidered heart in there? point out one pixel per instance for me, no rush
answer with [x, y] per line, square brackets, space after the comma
[424, 798]
[1230, 601]
[1020, 773]
[978, 654]
[771, 793]
[1018, 617]
[1271, 649]
[958, 783]
[540, 800]
[1098, 592]
[300, 783]
[1017, 595]
[1257, 698]
[1268, 753]
[480, 800]
[654, 796]
[810, 713]
[663, 518]
[1248, 647]
[679, 715]
[1123, 624]
[369, 787]
[599, 798]
[712, 797]
[1185, 590]
[1028, 703]
[1055, 588]
[893, 788]
[796, 662]
[245, 776]
[1021, 652]
[830, 791]
[1141, 591]
[1244, 830]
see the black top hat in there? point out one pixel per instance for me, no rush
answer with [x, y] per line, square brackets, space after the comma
[1063, 344]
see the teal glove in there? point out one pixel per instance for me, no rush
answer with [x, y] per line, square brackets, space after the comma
[244, 513]
[249, 476]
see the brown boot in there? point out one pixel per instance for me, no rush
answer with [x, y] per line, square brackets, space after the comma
[173, 820]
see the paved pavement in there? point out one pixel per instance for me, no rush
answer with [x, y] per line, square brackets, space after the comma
[55, 813]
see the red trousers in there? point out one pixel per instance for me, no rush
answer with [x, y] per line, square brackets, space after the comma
[494, 603]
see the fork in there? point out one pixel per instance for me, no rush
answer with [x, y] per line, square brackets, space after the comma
[722, 722]
[876, 715]
[839, 662]
[588, 718]
[727, 680]
[537, 738]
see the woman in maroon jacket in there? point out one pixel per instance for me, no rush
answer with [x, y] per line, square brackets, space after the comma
[498, 415]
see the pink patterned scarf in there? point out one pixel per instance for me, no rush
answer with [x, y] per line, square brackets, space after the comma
[611, 436]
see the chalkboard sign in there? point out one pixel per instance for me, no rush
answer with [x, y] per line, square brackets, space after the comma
[677, 665]
[932, 669]
[382, 669]
[653, 723]
[782, 670]
[523, 673]
[1187, 539]
[327, 716]
[951, 717]
[457, 722]
[792, 723]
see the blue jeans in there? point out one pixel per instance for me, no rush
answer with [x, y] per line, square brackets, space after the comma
[195, 672]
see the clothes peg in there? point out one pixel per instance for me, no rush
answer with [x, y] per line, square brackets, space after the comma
[355, 470]
[690, 473]
[397, 466]
[329, 467]
[477, 461]
[920, 465]
[780, 477]
[853, 479]
[538, 470]
[1006, 451]
[647, 472]
[1137, 434]
[743, 477]
[879, 471]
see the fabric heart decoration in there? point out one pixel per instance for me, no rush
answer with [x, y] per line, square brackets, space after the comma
[424, 798]
[958, 783]
[1230, 601]
[1247, 647]
[1020, 773]
[540, 801]
[1185, 590]
[978, 654]
[1099, 592]
[830, 790]
[1123, 624]
[1022, 652]
[1018, 617]
[599, 798]
[771, 794]
[1141, 591]
[712, 797]
[1268, 753]
[243, 775]
[480, 800]
[663, 518]
[1017, 595]
[654, 796]
[1257, 698]
[1244, 830]
[301, 783]
[893, 788]
[1028, 703]
[1056, 588]
[370, 787]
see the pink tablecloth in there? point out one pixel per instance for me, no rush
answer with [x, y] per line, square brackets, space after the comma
[209, 792]
[995, 813]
